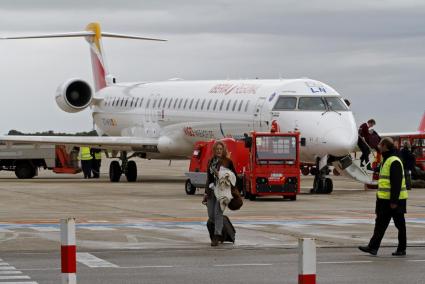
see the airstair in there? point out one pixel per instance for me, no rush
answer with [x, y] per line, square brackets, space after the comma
[350, 167]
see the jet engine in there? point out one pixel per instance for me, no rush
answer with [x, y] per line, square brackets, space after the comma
[74, 95]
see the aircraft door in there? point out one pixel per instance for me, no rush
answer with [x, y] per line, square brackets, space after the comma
[259, 117]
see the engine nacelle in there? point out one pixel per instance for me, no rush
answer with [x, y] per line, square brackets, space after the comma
[74, 95]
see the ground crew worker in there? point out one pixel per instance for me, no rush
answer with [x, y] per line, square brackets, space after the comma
[85, 158]
[363, 142]
[96, 161]
[391, 200]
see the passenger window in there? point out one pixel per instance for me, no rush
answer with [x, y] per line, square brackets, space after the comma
[215, 104]
[228, 105]
[246, 106]
[311, 103]
[285, 103]
[191, 103]
[335, 103]
[141, 101]
[159, 104]
[196, 105]
[240, 105]
[202, 105]
[185, 103]
[221, 105]
[175, 103]
[154, 103]
[122, 102]
[180, 103]
[164, 103]
[234, 105]
[169, 104]
[137, 101]
[209, 104]
[148, 103]
[131, 104]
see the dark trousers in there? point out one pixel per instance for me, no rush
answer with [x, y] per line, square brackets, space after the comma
[95, 167]
[365, 150]
[86, 167]
[382, 221]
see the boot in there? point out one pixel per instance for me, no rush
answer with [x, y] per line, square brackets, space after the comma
[214, 241]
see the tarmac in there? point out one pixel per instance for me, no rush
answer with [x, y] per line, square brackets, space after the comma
[152, 232]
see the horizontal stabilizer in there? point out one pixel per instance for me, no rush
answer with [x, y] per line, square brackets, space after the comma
[82, 34]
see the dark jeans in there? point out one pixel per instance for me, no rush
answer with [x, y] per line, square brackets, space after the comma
[86, 167]
[383, 218]
[96, 167]
[365, 150]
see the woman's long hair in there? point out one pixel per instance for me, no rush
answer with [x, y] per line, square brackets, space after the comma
[214, 148]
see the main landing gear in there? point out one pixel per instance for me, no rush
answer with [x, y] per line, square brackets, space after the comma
[128, 168]
[322, 183]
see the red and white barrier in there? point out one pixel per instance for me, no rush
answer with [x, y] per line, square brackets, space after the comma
[306, 261]
[68, 251]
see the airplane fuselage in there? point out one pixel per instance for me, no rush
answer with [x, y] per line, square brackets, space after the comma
[179, 113]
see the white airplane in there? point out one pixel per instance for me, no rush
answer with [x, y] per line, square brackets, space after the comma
[163, 120]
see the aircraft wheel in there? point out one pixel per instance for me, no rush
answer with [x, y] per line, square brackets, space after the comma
[252, 197]
[24, 170]
[114, 171]
[131, 172]
[292, 197]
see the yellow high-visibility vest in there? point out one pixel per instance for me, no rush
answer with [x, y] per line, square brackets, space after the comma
[85, 154]
[384, 185]
[98, 155]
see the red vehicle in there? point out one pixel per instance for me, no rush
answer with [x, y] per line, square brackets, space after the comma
[418, 146]
[274, 166]
[202, 152]
[266, 164]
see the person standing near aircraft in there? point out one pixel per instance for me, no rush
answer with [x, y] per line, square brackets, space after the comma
[391, 200]
[96, 161]
[408, 160]
[363, 142]
[215, 214]
[86, 158]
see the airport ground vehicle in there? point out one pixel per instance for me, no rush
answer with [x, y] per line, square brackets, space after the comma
[25, 160]
[266, 164]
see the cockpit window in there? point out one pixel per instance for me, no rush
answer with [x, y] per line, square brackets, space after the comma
[311, 103]
[335, 103]
[285, 103]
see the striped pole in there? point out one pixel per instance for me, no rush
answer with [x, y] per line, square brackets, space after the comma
[68, 251]
[306, 261]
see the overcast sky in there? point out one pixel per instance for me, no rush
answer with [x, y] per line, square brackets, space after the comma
[372, 52]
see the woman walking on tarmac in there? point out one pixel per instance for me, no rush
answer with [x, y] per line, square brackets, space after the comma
[216, 220]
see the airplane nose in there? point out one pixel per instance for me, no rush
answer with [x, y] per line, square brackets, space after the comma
[340, 141]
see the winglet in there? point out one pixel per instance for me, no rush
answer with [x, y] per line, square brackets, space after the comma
[422, 125]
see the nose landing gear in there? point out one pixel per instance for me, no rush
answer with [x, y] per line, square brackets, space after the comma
[322, 183]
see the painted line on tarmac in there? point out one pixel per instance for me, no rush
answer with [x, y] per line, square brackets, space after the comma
[243, 264]
[14, 277]
[6, 272]
[416, 260]
[7, 268]
[344, 262]
[92, 261]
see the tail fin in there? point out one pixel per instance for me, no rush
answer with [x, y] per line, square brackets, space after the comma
[422, 125]
[93, 36]
[98, 61]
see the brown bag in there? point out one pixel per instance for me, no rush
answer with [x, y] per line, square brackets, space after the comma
[237, 201]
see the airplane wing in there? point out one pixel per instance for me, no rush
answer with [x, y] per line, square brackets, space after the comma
[104, 142]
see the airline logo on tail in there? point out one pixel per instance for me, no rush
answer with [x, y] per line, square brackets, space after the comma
[96, 50]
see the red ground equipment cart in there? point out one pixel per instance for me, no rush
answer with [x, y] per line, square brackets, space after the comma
[266, 164]
[197, 175]
[274, 166]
